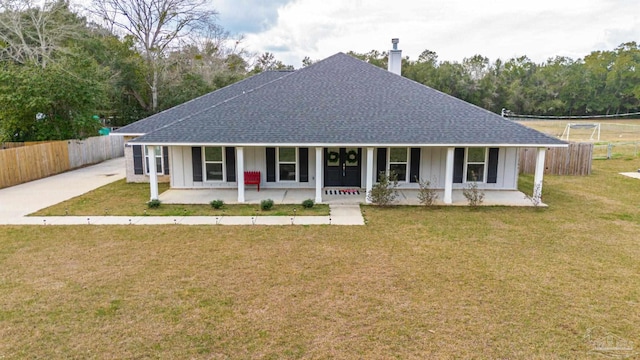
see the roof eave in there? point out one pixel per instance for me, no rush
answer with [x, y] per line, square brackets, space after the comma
[127, 134]
[502, 145]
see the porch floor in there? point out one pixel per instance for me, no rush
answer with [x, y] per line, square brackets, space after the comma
[296, 196]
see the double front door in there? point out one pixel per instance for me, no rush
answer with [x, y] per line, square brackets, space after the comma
[342, 166]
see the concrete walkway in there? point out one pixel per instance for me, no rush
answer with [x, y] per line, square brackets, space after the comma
[18, 201]
[340, 215]
[635, 175]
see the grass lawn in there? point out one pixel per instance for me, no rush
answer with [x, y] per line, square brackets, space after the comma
[120, 198]
[612, 130]
[420, 283]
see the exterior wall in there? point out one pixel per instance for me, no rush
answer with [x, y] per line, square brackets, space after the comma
[254, 160]
[508, 172]
[363, 161]
[432, 168]
[131, 176]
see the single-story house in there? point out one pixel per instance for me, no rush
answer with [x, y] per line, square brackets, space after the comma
[336, 123]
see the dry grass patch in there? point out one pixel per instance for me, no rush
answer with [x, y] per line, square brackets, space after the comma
[620, 130]
[128, 199]
[414, 283]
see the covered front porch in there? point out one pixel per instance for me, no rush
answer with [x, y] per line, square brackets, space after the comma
[448, 165]
[331, 196]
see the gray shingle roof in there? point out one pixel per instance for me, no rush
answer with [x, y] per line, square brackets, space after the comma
[198, 104]
[342, 100]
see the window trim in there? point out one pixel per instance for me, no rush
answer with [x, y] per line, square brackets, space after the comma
[296, 162]
[406, 163]
[485, 164]
[159, 154]
[205, 162]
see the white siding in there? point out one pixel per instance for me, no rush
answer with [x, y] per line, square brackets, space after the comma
[254, 160]
[363, 166]
[432, 168]
[510, 169]
[179, 170]
[312, 168]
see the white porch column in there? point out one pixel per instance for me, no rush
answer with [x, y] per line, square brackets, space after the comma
[448, 177]
[153, 174]
[370, 178]
[319, 174]
[539, 174]
[240, 169]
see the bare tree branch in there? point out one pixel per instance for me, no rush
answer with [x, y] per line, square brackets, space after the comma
[30, 33]
[156, 25]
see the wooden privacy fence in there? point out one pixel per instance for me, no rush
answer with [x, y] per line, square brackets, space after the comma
[27, 163]
[572, 160]
[94, 150]
[11, 145]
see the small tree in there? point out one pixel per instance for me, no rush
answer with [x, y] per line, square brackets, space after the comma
[427, 195]
[474, 196]
[384, 192]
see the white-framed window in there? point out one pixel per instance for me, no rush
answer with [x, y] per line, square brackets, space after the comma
[475, 165]
[287, 164]
[399, 162]
[214, 163]
[159, 160]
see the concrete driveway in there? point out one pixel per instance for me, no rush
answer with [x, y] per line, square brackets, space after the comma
[20, 200]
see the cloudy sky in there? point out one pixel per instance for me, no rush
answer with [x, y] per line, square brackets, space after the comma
[454, 29]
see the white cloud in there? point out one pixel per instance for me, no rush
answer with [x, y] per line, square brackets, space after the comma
[453, 29]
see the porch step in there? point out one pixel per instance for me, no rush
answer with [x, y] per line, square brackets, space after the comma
[342, 192]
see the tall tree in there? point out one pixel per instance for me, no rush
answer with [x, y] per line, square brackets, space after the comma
[424, 70]
[624, 77]
[307, 61]
[373, 57]
[267, 61]
[156, 26]
[32, 33]
[127, 87]
[50, 103]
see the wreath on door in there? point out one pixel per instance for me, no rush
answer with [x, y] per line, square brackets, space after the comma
[352, 156]
[333, 156]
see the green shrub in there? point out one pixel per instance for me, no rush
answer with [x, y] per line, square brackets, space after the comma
[266, 204]
[154, 204]
[474, 196]
[216, 204]
[307, 204]
[384, 192]
[427, 195]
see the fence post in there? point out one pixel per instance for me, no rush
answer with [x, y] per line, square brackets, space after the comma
[609, 148]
